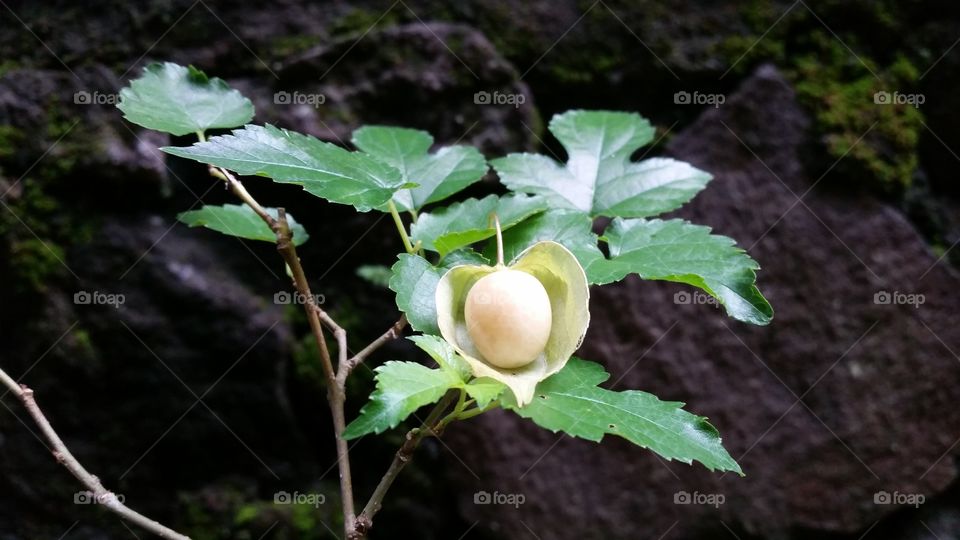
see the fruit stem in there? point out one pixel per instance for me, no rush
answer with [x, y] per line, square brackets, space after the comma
[400, 227]
[496, 225]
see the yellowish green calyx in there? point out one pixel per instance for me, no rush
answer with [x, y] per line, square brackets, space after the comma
[516, 323]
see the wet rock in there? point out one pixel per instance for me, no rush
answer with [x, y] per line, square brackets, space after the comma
[61, 125]
[161, 359]
[845, 395]
[445, 78]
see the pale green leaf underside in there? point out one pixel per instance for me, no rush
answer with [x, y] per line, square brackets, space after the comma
[437, 176]
[465, 223]
[599, 179]
[402, 388]
[570, 401]
[323, 169]
[181, 100]
[415, 280]
[463, 256]
[676, 250]
[241, 221]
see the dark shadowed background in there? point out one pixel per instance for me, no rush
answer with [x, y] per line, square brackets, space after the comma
[832, 129]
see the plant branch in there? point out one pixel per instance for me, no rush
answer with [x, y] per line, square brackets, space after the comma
[60, 451]
[355, 527]
[316, 317]
[431, 426]
[391, 334]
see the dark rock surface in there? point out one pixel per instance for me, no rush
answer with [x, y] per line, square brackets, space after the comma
[71, 116]
[875, 414]
[195, 304]
[170, 357]
[839, 399]
[398, 76]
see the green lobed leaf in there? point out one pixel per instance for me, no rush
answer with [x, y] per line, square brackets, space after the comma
[240, 220]
[402, 388]
[436, 176]
[676, 250]
[485, 390]
[468, 222]
[182, 100]
[571, 401]
[444, 354]
[599, 179]
[323, 169]
[415, 282]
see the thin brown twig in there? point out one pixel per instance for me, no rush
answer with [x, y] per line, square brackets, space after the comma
[355, 527]
[62, 454]
[391, 334]
[431, 426]
[316, 318]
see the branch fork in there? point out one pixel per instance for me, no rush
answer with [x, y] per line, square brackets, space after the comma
[355, 527]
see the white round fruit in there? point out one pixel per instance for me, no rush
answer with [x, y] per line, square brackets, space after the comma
[508, 318]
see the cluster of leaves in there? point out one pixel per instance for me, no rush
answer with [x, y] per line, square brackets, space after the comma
[394, 170]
